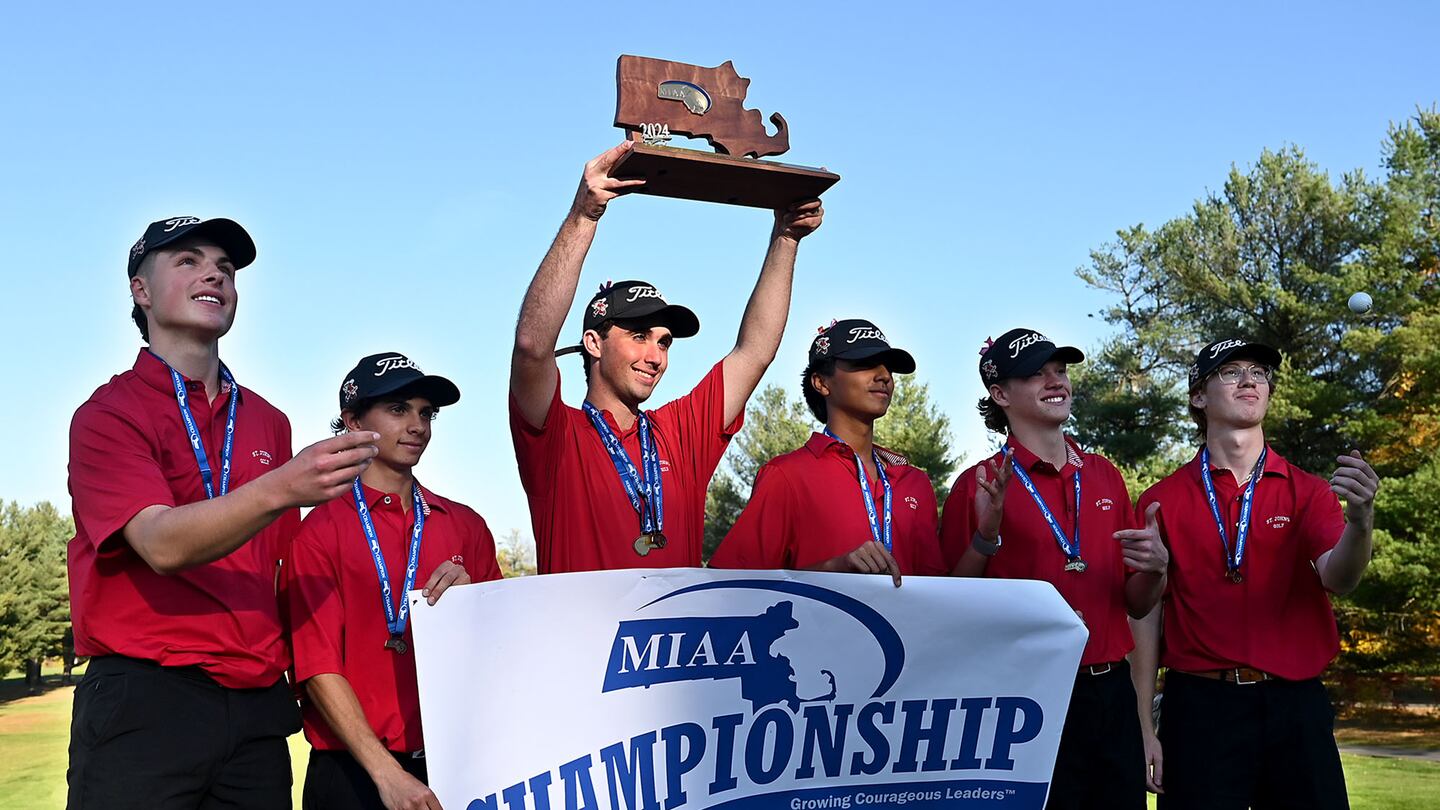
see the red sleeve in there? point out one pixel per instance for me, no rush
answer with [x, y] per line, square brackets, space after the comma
[764, 534]
[535, 447]
[957, 527]
[480, 562]
[317, 610]
[699, 419]
[1322, 520]
[929, 560]
[114, 472]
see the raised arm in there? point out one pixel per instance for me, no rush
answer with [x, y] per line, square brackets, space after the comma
[533, 374]
[764, 321]
[173, 538]
[1340, 567]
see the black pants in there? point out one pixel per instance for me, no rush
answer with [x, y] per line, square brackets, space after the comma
[1101, 763]
[1262, 745]
[147, 736]
[335, 781]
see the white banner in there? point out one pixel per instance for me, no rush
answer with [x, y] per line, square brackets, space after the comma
[657, 690]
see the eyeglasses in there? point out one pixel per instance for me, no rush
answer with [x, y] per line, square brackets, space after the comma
[1231, 375]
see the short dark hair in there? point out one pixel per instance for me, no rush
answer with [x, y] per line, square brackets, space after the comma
[993, 414]
[816, 402]
[603, 329]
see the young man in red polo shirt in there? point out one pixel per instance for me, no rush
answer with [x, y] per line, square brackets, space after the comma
[1066, 497]
[841, 502]
[1257, 545]
[185, 499]
[353, 563]
[609, 485]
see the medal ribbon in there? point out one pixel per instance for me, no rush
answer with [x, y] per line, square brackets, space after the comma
[647, 496]
[1069, 545]
[1233, 559]
[395, 621]
[881, 535]
[182, 397]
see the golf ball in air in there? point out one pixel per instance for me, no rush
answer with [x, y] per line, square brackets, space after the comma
[1360, 303]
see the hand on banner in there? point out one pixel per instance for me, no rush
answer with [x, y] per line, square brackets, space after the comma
[446, 574]
[1356, 482]
[597, 187]
[799, 220]
[872, 558]
[990, 493]
[1154, 762]
[323, 471]
[401, 791]
[1142, 549]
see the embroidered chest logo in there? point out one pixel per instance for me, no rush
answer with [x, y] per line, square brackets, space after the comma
[664, 466]
[910, 499]
[1105, 504]
[262, 456]
[458, 559]
[1278, 521]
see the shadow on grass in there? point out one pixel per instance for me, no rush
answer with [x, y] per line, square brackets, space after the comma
[13, 686]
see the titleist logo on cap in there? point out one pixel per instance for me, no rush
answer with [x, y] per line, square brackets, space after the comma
[388, 364]
[1026, 341]
[643, 292]
[1223, 345]
[865, 333]
[172, 224]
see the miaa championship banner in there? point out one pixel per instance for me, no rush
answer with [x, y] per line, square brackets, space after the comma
[688, 688]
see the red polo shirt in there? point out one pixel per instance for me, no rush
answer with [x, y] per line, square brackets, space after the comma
[582, 518]
[129, 450]
[806, 508]
[1029, 549]
[1278, 619]
[338, 613]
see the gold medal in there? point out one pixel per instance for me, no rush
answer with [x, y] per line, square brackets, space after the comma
[645, 543]
[1236, 577]
[397, 644]
[1076, 565]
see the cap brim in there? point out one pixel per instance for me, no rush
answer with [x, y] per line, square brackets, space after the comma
[440, 391]
[1252, 351]
[681, 322]
[1064, 354]
[898, 361]
[226, 234]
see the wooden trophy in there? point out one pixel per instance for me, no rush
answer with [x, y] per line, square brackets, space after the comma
[656, 99]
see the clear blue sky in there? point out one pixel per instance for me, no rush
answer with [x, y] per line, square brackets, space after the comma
[402, 167]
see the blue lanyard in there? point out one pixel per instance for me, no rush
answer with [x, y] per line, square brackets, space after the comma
[182, 397]
[1069, 545]
[394, 621]
[882, 536]
[1233, 559]
[648, 496]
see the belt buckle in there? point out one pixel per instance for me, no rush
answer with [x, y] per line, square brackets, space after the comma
[1099, 669]
[1240, 679]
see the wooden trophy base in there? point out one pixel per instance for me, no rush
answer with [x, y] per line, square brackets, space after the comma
[690, 174]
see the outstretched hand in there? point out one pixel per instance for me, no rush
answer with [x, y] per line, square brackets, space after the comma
[1142, 549]
[799, 220]
[597, 187]
[1356, 482]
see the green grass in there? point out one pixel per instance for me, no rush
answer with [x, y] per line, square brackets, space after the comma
[34, 733]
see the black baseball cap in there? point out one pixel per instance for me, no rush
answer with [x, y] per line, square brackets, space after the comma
[393, 372]
[1220, 352]
[636, 301]
[1020, 353]
[226, 233]
[859, 339]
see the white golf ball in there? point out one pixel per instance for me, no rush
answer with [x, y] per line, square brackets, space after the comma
[1360, 303]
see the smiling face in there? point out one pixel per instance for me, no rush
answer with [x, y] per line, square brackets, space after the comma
[1041, 399]
[187, 287]
[629, 363]
[404, 428]
[858, 388]
[1237, 405]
